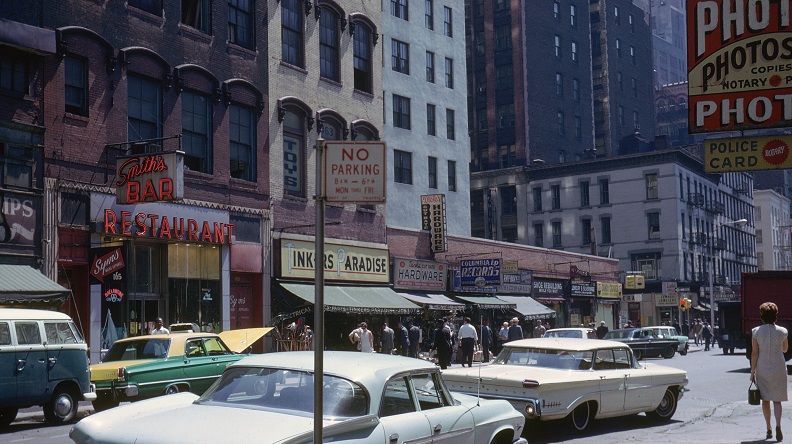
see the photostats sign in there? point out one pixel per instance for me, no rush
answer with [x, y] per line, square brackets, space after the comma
[739, 65]
[433, 220]
[480, 272]
[354, 172]
[412, 274]
[154, 177]
[747, 153]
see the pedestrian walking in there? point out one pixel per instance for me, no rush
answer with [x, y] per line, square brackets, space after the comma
[363, 338]
[386, 339]
[715, 333]
[602, 330]
[697, 327]
[515, 331]
[402, 339]
[414, 335]
[686, 329]
[768, 366]
[468, 338]
[539, 330]
[486, 340]
[706, 335]
[442, 344]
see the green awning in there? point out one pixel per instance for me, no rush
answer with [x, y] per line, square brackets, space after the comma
[376, 300]
[433, 301]
[486, 302]
[21, 283]
[528, 307]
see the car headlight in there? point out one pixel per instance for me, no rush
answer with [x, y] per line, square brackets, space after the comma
[532, 408]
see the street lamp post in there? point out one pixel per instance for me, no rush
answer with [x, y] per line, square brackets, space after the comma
[716, 231]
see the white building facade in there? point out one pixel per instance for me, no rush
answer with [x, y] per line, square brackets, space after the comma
[773, 231]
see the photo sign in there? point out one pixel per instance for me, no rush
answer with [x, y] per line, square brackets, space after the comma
[354, 172]
[480, 272]
[739, 70]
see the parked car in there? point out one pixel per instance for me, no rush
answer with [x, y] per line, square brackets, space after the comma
[575, 379]
[644, 342]
[184, 327]
[574, 332]
[43, 361]
[142, 367]
[367, 398]
[668, 332]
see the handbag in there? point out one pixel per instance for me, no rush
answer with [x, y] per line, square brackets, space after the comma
[754, 396]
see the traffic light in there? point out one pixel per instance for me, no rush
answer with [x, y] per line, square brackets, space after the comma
[687, 304]
[683, 304]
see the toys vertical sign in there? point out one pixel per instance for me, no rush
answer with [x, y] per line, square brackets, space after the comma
[433, 220]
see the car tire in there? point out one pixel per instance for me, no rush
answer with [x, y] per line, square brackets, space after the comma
[667, 407]
[581, 417]
[62, 407]
[669, 353]
[172, 390]
[685, 350]
[7, 416]
[103, 403]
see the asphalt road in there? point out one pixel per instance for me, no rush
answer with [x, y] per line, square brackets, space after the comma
[713, 410]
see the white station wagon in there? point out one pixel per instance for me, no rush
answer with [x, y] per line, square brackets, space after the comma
[577, 379]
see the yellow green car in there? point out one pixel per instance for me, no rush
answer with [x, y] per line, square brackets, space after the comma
[147, 366]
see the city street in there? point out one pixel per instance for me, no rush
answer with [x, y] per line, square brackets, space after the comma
[714, 410]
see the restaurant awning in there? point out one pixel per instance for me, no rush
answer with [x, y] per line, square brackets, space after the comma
[486, 302]
[21, 283]
[528, 307]
[433, 301]
[378, 300]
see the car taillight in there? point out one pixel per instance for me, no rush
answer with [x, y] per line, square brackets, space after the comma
[530, 383]
[121, 373]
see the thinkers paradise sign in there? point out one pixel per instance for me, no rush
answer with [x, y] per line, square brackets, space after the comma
[341, 262]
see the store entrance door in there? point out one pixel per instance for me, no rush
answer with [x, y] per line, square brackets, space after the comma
[142, 313]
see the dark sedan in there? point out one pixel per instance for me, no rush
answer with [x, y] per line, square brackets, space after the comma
[644, 342]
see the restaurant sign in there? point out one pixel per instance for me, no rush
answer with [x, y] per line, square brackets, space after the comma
[341, 262]
[151, 177]
[412, 274]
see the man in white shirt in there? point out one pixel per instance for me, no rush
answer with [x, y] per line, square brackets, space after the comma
[467, 341]
[159, 329]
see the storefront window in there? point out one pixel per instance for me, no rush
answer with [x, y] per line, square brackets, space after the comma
[194, 286]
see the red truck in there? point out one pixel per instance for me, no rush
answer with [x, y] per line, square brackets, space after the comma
[758, 288]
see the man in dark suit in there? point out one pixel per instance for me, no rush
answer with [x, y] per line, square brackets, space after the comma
[414, 333]
[486, 340]
[515, 331]
[402, 339]
[442, 344]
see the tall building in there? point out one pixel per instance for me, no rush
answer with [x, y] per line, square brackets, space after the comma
[622, 73]
[426, 120]
[669, 39]
[773, 230]
[529, 83]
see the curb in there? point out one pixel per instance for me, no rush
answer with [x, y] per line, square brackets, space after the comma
[36, 414]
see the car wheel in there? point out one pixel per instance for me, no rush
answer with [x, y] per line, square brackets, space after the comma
[62, 407]
[669, 353]
[172, 390]
[7, 416]
[580, 418]
[638, 354]
[667, 407]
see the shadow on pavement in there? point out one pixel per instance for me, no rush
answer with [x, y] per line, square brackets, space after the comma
[560, 431]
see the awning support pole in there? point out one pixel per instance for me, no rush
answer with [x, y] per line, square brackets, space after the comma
[319, 331]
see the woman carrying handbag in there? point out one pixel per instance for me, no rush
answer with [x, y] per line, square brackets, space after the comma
[768, 366]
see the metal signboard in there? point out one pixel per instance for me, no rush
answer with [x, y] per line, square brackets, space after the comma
[414, 274]
[480, 272]
[739, 69]
[433, 220]
[354, 172]
[747, 154]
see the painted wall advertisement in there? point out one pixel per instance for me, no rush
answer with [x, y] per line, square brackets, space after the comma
[413, 274]
[341, 262]
[480, 272]
[433, 220]
[19, 215]
[739, 65]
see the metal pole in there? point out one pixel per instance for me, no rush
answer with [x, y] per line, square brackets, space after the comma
[319, 331]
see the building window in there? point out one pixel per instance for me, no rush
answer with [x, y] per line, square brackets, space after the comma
[242, 129]
[399, 9]
[449, 73]
[432, 172]
[604, 190]
[505, 115]
[150, 6]
[402, 167]
[620, 81]
[76, 85]
[196, 14]
[578, 128]
[631, 21]
[452, 176]
[292, 32]
[616, 16]
[555, 197]
[576, 90]
[620, 114]
[144, 109]
[197, 131]
[538, 234]
[574, 52]
[504, 77]
[503, 37]
[429, 14]
[240, 22]
[75, 208]
[328, 45]
[605, 224]
[651, 186]
[293, 153]
[448, 22]
[362, 56]
[618, 48]
[508, 202]
[557, 44]
[431, 120]
[481, 119]
[557, 8]
[556, 234]
[635, 120]
[573, 15]
[14, 74]
[16, 167]
[584, 193]
[653, 222]
[450, 124]
[560, 121]
[537, 199]
[559, 84]
[401, 112]
[508, 155]
[634, 85]
[586, 231]
[430, 67]
[400, 56]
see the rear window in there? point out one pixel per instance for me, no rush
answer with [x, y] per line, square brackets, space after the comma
[547, 358]
[143, 349]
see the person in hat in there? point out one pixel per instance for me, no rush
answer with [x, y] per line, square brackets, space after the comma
[602, 330]
[515, 331]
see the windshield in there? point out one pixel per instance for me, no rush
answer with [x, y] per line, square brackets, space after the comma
[142, 349]
[563, 334]
[285, 390]
[537, 357]
[618, 334]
